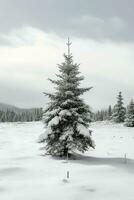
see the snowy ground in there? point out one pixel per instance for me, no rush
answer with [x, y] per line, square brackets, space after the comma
[101, 174]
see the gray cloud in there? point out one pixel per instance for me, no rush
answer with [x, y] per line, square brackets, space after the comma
[99, 20]
[21, 97]
[32, 50]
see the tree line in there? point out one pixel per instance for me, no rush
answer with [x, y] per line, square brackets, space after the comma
[118, 113]
[24, 116]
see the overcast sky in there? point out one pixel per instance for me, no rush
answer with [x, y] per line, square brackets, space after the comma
[33, 36]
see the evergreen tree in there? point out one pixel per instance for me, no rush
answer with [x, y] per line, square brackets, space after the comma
[118, 115]
[129, 121]
[103, 114]
[109, 112]
[67, 117]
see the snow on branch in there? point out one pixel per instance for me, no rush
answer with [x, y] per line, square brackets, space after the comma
[54, 121]
[83, 130]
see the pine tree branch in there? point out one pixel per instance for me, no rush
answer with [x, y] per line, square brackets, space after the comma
[54, 82]
[83, 90]
[51, 96]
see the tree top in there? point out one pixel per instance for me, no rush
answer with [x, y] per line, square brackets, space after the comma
[68, 46]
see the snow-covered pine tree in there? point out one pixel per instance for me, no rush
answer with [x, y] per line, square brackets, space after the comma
[129, 121]
[67, 117]
[118, 115]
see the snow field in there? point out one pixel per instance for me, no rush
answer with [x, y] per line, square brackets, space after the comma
[100, 174]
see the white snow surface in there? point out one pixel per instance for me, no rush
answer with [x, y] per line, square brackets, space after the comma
[100, 174]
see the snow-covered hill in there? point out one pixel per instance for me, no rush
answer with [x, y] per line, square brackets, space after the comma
[5, 107]
[100, 174]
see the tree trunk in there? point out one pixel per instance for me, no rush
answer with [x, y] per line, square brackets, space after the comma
[65, 153]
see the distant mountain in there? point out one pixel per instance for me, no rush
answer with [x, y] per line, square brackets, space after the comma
[4, 107]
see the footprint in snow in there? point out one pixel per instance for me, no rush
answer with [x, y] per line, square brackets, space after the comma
[88, 189]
